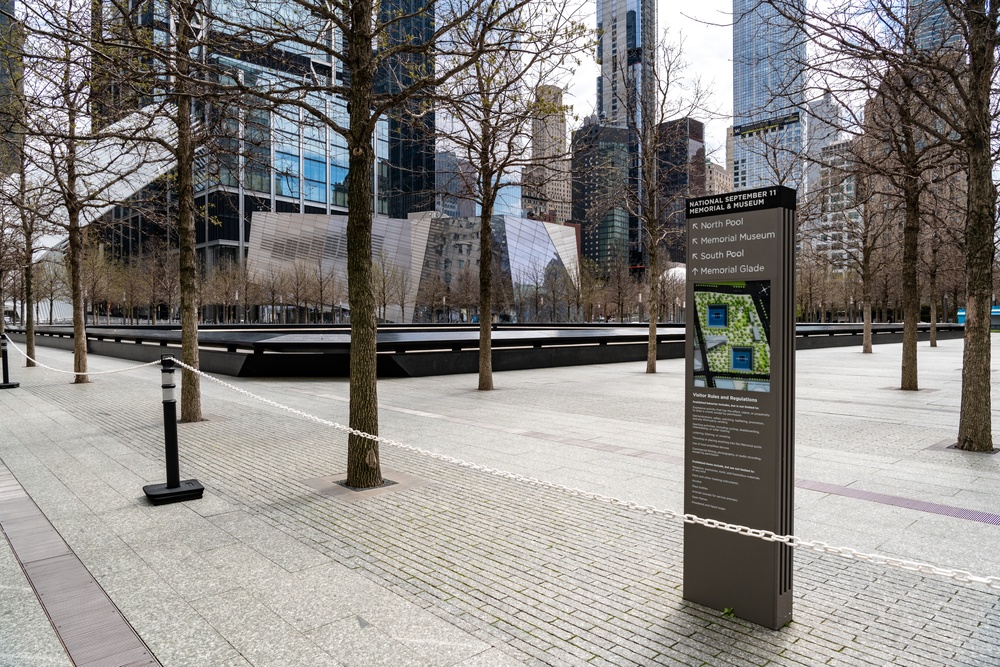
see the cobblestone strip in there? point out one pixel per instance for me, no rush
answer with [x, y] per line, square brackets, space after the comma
[549, 578]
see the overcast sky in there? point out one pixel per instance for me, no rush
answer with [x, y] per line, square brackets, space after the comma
[708, 47]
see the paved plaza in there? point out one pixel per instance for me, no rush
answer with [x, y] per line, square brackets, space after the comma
[458, 567]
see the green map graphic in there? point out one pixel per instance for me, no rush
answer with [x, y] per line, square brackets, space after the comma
[732, 315]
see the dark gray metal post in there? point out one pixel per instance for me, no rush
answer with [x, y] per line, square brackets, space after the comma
[170, 423]
[174, 490]
[7, 384]
[740, 401]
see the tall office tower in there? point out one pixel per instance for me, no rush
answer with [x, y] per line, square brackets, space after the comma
[769, 57]
[839, 210]
[625, 50]
[410, 177]
[626, 35]
[11, 88]
[600, 171]
[932, 26]
[547, 190]
[261, 159]
[681, 175]
[826, 119]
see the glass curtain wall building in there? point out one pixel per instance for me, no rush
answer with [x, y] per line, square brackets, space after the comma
[626, 32]
[411, 128]
[769, 57]
[600, 170]
[932, 26]
[280, 159]
[681, 175]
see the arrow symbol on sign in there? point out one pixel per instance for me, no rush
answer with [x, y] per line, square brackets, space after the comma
[694, 225]
[694, 272]
[694, 240]
[694, 255]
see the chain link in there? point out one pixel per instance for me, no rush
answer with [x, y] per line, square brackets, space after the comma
[56, 370]
[766, 535]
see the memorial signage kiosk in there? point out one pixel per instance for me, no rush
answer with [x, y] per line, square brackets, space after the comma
[738, 428]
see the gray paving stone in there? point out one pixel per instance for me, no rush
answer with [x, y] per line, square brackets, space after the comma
[472, 568]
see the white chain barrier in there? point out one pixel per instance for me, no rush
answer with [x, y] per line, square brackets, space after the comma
[766, 535]
[56, 370]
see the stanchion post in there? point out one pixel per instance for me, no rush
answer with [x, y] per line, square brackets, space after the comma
[174, 490]
[7, 384]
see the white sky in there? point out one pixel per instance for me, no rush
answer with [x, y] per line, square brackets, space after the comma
[708, 48]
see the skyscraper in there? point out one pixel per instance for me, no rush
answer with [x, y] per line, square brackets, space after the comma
[410, 177]
[932, 26]
[681, 174]
[769, 56]
[600, 168]
[625, 28]
[826, 120]
[625, 50]
[547, 181]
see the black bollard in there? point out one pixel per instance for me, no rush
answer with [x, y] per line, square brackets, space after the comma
[7, 384]
[174, 490]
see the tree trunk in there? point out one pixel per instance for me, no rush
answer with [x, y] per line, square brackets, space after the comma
[486, 299]
[975, 430]
[188, 260]
[866, 347]
[363, 466]
[911, 292]
[76, 289]
[653, 306]
[932, 279]
[29, 296]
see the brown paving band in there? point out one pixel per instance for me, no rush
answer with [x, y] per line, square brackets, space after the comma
[89, 625]
[900, 501]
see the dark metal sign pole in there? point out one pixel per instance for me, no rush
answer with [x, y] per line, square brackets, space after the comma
[740, 401]
[174, 490]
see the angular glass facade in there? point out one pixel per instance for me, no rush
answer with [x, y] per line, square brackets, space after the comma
[435, 259]
[769, 57]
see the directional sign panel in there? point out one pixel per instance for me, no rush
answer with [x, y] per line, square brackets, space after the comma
[739, 432]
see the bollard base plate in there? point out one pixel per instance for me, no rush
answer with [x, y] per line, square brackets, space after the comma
[9, 385]
[159, 494]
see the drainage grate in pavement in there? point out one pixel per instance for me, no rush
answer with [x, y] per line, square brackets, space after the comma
[88, 624]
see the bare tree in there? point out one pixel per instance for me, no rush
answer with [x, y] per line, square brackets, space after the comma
[272, 286]
[367, 42]
[491, 108]
[50, 285]
[65, 151]
[401, 287]
[944, 64]
[326, 289]
[658, 109]
[589, 286]
[384, 276]
[430, 293]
